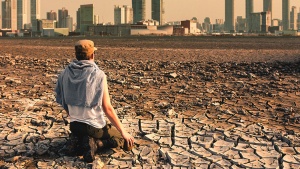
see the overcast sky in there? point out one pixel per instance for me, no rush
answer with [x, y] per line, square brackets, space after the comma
[175, 9]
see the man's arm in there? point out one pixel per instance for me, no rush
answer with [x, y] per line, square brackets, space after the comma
[112, 116]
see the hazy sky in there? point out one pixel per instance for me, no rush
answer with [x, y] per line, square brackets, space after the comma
[175, 9]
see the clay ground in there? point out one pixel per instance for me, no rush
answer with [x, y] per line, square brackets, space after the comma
[206, 102]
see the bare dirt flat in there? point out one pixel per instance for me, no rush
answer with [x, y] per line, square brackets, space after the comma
[180, 49]
[189, 101]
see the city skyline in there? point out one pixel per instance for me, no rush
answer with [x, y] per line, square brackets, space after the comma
[175, 9]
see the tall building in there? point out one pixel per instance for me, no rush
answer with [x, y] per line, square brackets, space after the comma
[21, 13]
[69, 23]
[255, 22]
[129, 15]
[260, 22]
[123, 15]
[139, 10]
[286, 14]
[14, 14]
[267, 6]
[35, 13]
[265, 21]
[9, 12]
[52, 15]
[158, 11]
[96, 19]
[3, 13]
[298, 20]
[78, 20]
[219, 25]
[249, 10]
[229, 15]
[240, 24]
[62, 15]
[206, 24]
[294, 18]
[86, 17]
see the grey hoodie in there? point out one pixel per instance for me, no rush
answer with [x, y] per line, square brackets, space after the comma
[80, 84]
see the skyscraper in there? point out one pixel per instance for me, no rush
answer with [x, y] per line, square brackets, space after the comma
[9, 12]
[158, 11]
[69, 23]
[3, 13]
[0, 21]
[52, 15]
[267, 6]
[123, 15]
[294, 18]
[265, 21]
[139, 10]
[35, 13]
[229, 15]
[96, 19]
[298, 21]
[249, 10]
[78, 20]
[21, 13]
[206, 24]
[86, 17]
[255, 22]
[62, 15]
[286, 14]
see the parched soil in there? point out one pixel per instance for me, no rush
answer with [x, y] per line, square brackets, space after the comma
[224, 101]
[179, 49]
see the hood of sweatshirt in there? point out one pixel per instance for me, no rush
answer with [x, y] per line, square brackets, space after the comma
[82, 84]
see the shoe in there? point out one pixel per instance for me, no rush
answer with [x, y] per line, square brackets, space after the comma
[89, 148]
[100, 145]
[79, 149]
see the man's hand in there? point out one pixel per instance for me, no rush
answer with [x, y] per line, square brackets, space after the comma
[128, 141]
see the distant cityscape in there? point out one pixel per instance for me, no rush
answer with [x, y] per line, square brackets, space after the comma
[131, 20]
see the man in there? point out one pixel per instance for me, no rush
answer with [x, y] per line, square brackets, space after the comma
[83, 92]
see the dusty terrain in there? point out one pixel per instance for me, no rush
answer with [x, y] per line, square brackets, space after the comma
[190, 102]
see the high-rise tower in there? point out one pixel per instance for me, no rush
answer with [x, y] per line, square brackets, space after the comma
[158, 11]
[123, 15]
[139, 10]
[294, 18]
[21, 13]
[9, 12]
[3, 14]
[86, 13]
[62, 15]
[35, 13]
[267, 6]
[52, 15]
[6, 14]
[229, 15]
[298, 21]
[249, 10]
[1, 19]
[286, 14]
[69, 23]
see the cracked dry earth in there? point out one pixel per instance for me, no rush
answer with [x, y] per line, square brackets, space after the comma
[190, 102]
